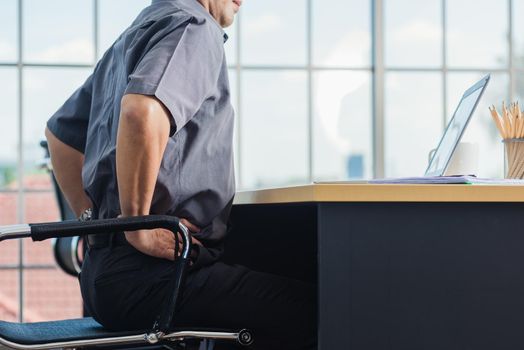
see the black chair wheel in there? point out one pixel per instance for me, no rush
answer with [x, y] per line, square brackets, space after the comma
[245, 338]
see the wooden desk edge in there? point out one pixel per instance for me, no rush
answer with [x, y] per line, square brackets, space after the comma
[338, 192]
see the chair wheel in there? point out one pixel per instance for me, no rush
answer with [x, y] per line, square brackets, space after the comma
[245, 338]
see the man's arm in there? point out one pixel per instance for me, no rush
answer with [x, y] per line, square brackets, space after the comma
[143, 132]
[67, 167]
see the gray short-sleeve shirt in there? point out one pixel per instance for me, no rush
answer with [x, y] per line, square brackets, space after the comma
[174, 51]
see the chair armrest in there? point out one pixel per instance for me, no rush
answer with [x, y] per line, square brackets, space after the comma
[14, 231]
[69, 228]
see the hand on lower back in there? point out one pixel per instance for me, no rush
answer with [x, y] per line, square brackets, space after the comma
[159, 242]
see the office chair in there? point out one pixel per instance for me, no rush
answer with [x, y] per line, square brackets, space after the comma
[86, 333]
[66, 250]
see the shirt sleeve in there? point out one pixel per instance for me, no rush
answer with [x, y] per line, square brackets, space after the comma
[69, 123]
[181, 70]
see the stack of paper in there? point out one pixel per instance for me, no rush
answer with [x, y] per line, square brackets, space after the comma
[456, 179]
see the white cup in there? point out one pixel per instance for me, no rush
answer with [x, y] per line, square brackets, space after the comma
[465, 159]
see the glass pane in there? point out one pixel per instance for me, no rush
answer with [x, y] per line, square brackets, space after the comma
[8, 216]
[58, 31]
[413, 33]
[9, 130]
[9, 289]
[477, 33]
[413, 121]
[274, 129]
[342, 126]
[518, 32]
[519, 76]
[274, 32]
[40, 207]
[112, 25]
[231, 43]
[8, 31]
[50, 294]
[342, 33]
[45, 90]
[481, 129]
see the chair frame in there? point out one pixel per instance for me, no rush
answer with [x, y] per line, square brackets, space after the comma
[161, 332]
[65, 249]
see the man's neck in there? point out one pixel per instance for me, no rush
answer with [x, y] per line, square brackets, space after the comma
[204, 3]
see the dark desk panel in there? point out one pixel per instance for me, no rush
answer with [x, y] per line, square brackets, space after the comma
[396, 275]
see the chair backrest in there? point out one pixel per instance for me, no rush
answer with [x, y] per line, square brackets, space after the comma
[66, 249]
[65, 211]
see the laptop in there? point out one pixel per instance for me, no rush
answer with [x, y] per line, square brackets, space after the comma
[455, 129]
[448, 143]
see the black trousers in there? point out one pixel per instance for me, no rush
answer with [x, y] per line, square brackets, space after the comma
[125, 289]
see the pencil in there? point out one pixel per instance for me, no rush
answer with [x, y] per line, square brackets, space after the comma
[510, 124]
[498, 121]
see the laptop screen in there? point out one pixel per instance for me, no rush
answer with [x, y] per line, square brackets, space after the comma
[456, 126]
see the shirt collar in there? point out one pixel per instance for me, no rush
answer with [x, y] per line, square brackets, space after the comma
[197, 7]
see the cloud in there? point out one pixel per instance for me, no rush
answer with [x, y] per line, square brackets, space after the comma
[415, 42]
[417, 31]
[80, 50]
[352, 48]
[264, 24]
[466, 48]
[331, 89]
[7, 51]
[293, 77]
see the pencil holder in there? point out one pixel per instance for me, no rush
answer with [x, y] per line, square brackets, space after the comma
[510, 124]
[514, 158]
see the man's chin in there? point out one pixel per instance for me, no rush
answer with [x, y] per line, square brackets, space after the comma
[227, 22]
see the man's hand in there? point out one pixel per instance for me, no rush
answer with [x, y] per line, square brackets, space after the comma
[159, 242]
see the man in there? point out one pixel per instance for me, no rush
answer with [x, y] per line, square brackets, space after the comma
[150, 132]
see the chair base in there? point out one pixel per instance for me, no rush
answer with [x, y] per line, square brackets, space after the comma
[86, 333]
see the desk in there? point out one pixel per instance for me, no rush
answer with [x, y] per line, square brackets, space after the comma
[397, 266]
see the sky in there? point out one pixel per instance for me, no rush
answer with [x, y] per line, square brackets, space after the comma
[272, 122]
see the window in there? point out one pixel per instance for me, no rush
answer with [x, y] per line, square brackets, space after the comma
[413, 33]
[9, 130]
[469, 32]
[274, 37]
[52, 36]
[274, 129]
[9, 31]
[413, 120]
